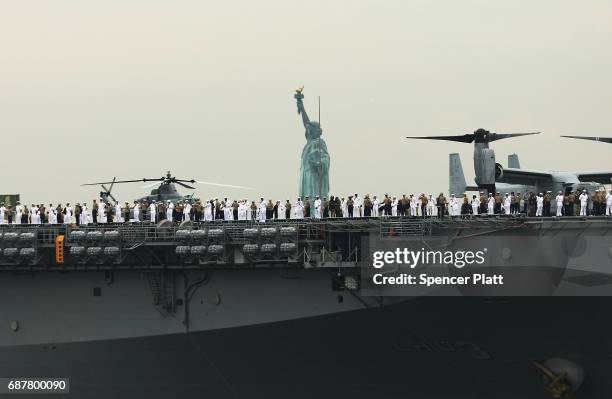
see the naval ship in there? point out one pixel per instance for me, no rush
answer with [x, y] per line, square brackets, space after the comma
[282, 310]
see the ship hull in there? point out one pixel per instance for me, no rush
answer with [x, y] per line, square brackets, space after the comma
[424, 348]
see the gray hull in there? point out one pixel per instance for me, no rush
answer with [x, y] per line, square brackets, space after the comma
[426, 348]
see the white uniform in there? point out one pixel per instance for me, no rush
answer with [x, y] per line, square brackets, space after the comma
[118, 215]
[34, 215]
[475, 205]
[299, 209]
[208, 212]
[491, 205]
[187, 212]
[68, 215]
[559, 199]
[344, 208]
[262, 211]
[431, 206]
[169, 209]
[18, 213]
[584, 200]
[394, 206]
[507, 203]
[413, 205]
[102, 213]
[84, 215]
[152, 211]
[539, 205]
[357, 205]
[318, 210]
[2, 213]
[242, 210]
[52, 216]
[136, 212]
[609, 203]
[375, 206]
[454, 206]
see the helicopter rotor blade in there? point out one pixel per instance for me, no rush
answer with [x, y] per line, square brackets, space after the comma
[591, 138]
[112, 184]
[108, 192]
[224, 185]
[185, 185]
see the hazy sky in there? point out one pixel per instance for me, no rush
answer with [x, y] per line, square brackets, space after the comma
[92, 90]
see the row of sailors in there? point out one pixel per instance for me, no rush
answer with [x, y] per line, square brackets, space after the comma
[568, 204]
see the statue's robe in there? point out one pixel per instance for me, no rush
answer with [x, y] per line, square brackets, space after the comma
[314, 169]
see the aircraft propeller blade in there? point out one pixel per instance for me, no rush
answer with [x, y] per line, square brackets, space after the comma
[501, 136]
[224, 185]
[591, 138]
[480, 136]
[464, 138]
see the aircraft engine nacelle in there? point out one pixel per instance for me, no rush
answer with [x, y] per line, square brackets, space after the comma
[499, 171]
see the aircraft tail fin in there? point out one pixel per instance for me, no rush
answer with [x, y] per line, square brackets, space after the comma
[456, 178]
[513, 161]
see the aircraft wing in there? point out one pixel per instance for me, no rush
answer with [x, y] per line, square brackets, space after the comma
[523, 176]
[597, 177]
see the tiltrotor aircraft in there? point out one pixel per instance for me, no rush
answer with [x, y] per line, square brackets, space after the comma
[165, 191]
[492, 176]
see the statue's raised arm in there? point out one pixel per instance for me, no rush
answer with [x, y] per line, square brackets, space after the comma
[300, 106]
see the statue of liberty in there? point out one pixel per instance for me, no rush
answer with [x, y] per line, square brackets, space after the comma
[314, 169]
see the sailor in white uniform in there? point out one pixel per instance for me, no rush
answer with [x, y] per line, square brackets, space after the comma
[241, 210]
[491, 205]
[453, 206]
[357, 207]
[102, 212]
[299, 209]
[584, 201]
[52, 215]
[84, 215]
[169, 210]
[262, 211]
[118, 214]
[414, 203]
[68, 215]
[136, 211]
[475, 204]
[34, 216]
[18, 213]
[394, 206]
[539, 204]
[152, 212]
[609, 203]
[344, 208]
[559, 199]
[208, 211]
[375, 206]
[507, 203]
[318, 210]
[187, 212]
[2, 213]
[431, 205]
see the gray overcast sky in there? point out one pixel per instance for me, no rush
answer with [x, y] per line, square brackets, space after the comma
[91, 90]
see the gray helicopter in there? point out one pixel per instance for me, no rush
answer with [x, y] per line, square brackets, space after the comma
[166, 188]
[489, 174]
